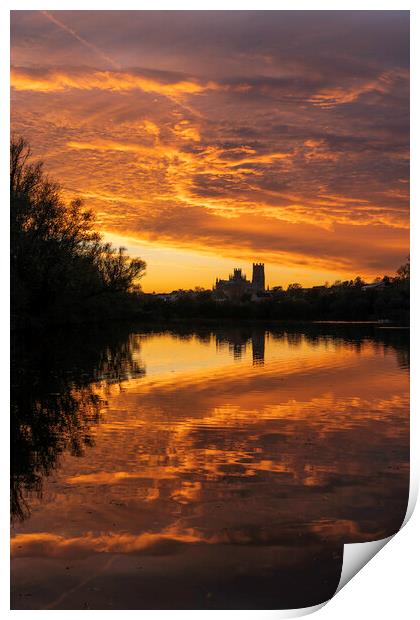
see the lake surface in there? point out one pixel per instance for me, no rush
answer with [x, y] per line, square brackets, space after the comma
[195, 468]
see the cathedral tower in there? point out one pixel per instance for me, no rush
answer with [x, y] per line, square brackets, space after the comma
[258, 277]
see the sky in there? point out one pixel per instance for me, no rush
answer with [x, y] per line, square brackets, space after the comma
[205, 140]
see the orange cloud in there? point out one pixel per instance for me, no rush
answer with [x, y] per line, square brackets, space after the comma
[332, 97]
[155, 151]
[56, 80]
[186, 131]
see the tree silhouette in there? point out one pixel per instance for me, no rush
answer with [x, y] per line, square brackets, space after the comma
[404, 271]
[59, 386]
[60, 267]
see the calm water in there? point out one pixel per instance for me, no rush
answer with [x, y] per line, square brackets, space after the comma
[210, 468]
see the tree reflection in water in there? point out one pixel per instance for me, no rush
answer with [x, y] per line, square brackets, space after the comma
[58, 388]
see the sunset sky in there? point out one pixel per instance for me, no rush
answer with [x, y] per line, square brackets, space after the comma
[206, 140]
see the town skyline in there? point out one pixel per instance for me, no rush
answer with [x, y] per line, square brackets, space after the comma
[202, 139]
[238, 272]
[202, 272]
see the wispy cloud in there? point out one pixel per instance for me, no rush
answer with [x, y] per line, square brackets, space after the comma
[81, 40]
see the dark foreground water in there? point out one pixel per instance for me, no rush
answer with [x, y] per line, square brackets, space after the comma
[208, 468]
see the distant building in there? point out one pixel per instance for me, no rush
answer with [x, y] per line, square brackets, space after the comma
[368, 287]
[237, 285]
[258, 278]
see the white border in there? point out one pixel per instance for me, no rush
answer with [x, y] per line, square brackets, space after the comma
[401, 576]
